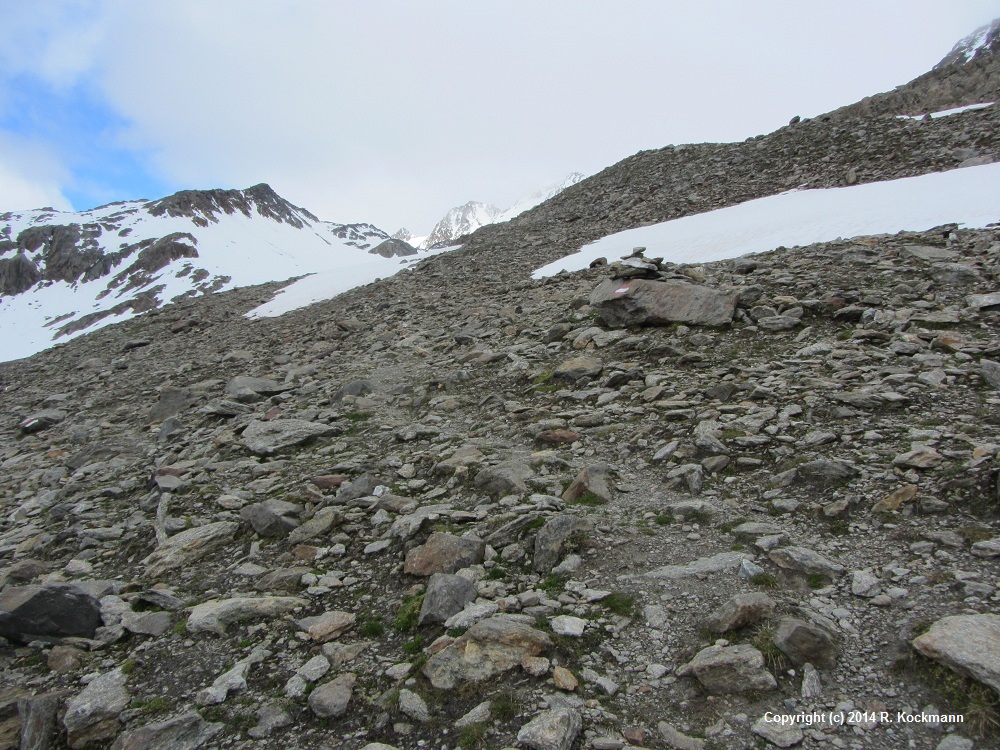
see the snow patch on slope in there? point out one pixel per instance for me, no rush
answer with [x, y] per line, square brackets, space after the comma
[969, 196]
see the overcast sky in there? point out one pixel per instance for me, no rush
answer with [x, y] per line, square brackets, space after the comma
[393, 112]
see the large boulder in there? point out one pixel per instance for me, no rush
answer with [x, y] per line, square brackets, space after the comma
[92, 715]
[444, 553]
[968, 644]
[30, 613]
[552, 538]
[490, 647]
[729, 669]
[185, 732]
[644, 302]
[446, 595]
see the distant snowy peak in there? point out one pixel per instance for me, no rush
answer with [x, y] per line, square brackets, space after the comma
[540, 196]
[462, 220]
[984, 40]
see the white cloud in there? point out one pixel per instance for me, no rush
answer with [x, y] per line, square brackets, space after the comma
[394, 111]
[29, 177]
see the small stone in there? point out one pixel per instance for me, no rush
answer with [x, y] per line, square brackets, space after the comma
[555, 729]
[803, 642]
[330, 625]
[564, 679]
[782, 735]
[414, 706]
[329, 700]
[568, 625]
[677, 739]
[740, 611]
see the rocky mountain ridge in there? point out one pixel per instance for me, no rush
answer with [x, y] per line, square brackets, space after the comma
[966, 75]
[460, 507]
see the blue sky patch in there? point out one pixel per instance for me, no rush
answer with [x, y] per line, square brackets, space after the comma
[85, 135]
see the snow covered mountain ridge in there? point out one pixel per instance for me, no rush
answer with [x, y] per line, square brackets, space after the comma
[66, 273]
[982, 41]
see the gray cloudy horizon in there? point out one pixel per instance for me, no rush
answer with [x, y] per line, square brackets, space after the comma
[393, 112]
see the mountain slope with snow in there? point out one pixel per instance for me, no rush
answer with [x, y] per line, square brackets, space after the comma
[65, 273]
[803, 217]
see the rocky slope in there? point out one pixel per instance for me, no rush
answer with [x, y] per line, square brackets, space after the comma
[463, 508]
[966, 75]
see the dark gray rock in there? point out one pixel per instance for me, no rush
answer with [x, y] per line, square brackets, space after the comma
[740, 611]
[271, 518]
[41, 612]
[551, 539]
[446, 595]
[173, 401]
[504, 479]
[41, 420]
[804, 642]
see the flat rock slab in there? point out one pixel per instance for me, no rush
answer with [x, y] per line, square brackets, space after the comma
[644, 302]
[805, 561]
[328, 626]
[969, 644]
[185, 732]
[715, 564]
[551, 730]
[216, 615]
[266, 438]
[781, 735]
[189, 546]
[490, 647]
